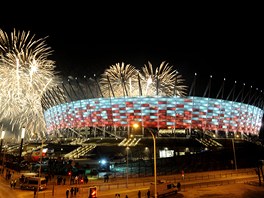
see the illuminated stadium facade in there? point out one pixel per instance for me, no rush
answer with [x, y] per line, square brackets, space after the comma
[101, 114]
[156, 112]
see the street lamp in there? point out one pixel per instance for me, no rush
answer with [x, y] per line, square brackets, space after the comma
[146, 153]
[127, 148]
[154, 158]
[234, 152]
[3, 160]
[40, 162]
[155, 162]
[2, 139]
[1, 144]
[21, 146]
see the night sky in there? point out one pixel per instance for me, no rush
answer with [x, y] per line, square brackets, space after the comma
[86, 39]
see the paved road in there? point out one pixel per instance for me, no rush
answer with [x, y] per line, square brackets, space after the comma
[6, 190]
[108, 190]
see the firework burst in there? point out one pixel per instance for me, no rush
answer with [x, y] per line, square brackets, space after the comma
[124, 80]
[118, 80]
[162, 80]
[26, 74]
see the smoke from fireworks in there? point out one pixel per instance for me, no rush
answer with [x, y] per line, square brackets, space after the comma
[26, 74]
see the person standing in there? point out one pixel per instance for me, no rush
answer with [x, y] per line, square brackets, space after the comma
[35, 192]
[72, 191]
[182, 173]
[14, 184]
[139, 194]
[148, 194]
[107, 177]
[67, 193]
[179, 186]
[11, 183]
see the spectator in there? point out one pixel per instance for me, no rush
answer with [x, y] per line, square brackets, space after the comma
[148, 194]
[76, 179]
[179, 186]
[107, 177]
[86, 179]
[67, 193]
[139, 194]
[75, 191]
[35, 192]
[14, 184]
[182, 173]
[11, 183]
[72, 191]
[47, 179]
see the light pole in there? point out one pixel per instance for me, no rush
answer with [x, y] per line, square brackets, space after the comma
[155, 162]
[3, 161]
[154, 157]
[2, 139]
[127, 148]
[21, 146]
[234, 152]
[40, 162]
[1, 144]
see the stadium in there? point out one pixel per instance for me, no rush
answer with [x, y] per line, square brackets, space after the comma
[155, 100]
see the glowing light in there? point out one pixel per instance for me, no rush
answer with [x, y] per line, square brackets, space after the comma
[103, 161]
[3, 135]
[135, 125]
[26, 74]
[23, 132]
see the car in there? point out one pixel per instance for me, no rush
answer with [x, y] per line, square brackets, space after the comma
[34, 183]
[163, 189]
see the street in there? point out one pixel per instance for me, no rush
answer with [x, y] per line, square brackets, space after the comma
[194, 185]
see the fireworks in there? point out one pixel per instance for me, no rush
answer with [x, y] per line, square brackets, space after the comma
[26, 74]
[163, 81]
[124, 80]
[118, 80]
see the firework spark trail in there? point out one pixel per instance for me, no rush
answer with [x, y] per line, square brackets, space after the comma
[122, 78]
[26, 74]
[125, 77]
[162, 80]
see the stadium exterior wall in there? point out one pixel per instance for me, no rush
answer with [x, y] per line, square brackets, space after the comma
[157, 112]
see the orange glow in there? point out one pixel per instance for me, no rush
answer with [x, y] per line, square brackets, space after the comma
[135, 125]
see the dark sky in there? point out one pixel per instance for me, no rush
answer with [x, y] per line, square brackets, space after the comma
[225, 41]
